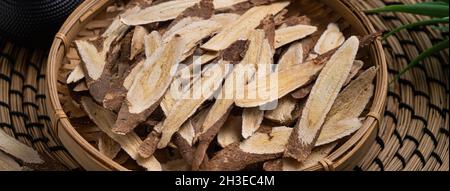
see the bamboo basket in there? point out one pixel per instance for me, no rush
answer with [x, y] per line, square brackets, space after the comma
[343, 12]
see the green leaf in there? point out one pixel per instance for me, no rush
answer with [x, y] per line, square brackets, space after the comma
[417, 24]
[433, 9]
[436, 48]
[441, 28]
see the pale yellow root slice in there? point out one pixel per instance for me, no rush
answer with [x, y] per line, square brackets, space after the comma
[76, 75]
[342, 120]
[130, 143]
[330, 39]
[8, 164]
[230, 132]
[258, 148]
[152, 82]
[19, 150]
[167, 11]
[321, 99]
[152, 42]
[187, 132]
[290, 34]
[284, 114]
[108, 146]
[287, 164]
[288, 81]
[251, 121]
[149, 86]
[241, 74]
[194, 33]
[293, 56]
[187, 107]
[304, 91]
[357, 66]
[94, 57]
[137, 41]
[244, 70]
[241, 28]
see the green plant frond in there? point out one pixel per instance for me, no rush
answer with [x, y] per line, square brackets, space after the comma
[436, 48]
[441, 28]
[417, 24]
[432, 9]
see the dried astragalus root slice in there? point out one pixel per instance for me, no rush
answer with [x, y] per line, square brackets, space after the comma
[288, 81]
[290, 34]
[330, 39]
[148, 146]
[288, 164]
[342, 120]
[242, 73]
[76, 75]
[251, 121]
[19, 150]
[209, 83]
[284, 114]
[357, 66]
[321, 99]
[241, 28]
[304, 91]
[130, 143]
[8, 164]
[168, 11]
[108, 146]
[149, 86]
[152, 42]
[137, 42]
[258, 148]
[230, 132]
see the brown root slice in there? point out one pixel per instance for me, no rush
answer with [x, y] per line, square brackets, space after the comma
[287, 164]
[241, 27]
[258, 148]
[130, 143]
[322, 97]
[149, 86]
[169, 10]
[108, 146]
[222, 107]
[187, 107]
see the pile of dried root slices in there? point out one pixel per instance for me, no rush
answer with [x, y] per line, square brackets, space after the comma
[125, 73]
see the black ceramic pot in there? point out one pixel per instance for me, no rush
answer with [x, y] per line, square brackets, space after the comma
[33, 22]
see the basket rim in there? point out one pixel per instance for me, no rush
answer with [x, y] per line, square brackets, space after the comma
[336, 160]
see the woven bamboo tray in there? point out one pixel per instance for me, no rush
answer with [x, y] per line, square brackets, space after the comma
[413, 134]
[343, 158]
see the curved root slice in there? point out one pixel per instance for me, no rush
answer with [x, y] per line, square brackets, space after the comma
[287, 164]
[149, 86]
[290, 34]
[187, 107]
[137, 42]
[8, 164]
[242, 27]
[258, 148]
[108, 146]
[19, 150]
[342, 119]
[321, 99]
[130, 143]
[168, 11]
[251, 121]
[230, 132]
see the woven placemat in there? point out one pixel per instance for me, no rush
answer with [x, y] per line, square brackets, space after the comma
[414, 133]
